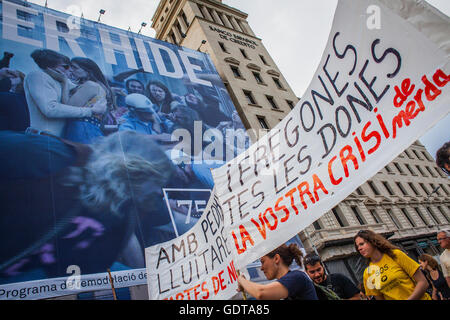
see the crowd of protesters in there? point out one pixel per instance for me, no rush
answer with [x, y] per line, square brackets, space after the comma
[390, 274]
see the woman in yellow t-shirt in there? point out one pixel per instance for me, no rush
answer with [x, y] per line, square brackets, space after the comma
[391, 274]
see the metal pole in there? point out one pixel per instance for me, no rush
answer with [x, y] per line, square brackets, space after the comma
[112, 285]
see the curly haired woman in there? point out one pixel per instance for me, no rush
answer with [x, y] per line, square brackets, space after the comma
[391, 274]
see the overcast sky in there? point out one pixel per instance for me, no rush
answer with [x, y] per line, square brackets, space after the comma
[293, 31]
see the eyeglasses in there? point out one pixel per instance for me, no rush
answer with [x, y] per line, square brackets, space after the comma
[441, 239]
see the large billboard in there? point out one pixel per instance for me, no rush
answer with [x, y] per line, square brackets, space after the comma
[107, 139]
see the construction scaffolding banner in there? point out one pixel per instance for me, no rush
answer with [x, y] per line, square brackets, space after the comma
[107, 140]
[382, 82]
[195, 266]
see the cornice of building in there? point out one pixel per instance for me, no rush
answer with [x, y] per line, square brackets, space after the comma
[219, 4]
[180, 3]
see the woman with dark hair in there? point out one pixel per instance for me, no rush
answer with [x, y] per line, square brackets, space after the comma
[158, 93]
[443, 157]
[290, 284]
[391, 274]
[91, 87]
[441, 291]
[43, 91]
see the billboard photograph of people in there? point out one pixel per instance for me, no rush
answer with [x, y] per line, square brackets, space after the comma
[107, 139]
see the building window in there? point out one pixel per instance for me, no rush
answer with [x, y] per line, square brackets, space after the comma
[222, 46]
[263, 60]
[358, 215]
[317, 225]
[183, 16]
[444, 213]
[231, 22]
[290, 104]
[411, 222]
[431, 172]
[425, 154]
[435, 219]
[413, 188]
[417, 155]
[262, 122]
[374, 188]
[440, 172]
[423, 188]
[402, 189]
[178, 26]
[277, 83]
[421, 171]
[258, 78]
[172, 37]
[339, 217]
[200, 8]
[244, 54]
[408, 154]
[359, 191]
[236, 72]
[221, 19]
[388, 188]
[399, 168]
[421, 216]
[375, 215]
[410, 169]
[241, 25]
[388, 169]
[211, 13]
[393, 218]
[272, 102]
[443, 188]
[249, 97]
[435, 189]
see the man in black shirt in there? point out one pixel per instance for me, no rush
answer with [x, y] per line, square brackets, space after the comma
[338, 283]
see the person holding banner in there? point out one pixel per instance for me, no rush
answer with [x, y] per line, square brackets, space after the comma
[290, 284]
[391, 274]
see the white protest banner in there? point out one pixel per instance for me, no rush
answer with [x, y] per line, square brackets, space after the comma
[382, 83]
[197, 265]
[74, 284]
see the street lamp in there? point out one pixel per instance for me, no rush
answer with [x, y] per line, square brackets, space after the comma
[143, 24]
[203, 42]
[100, 15]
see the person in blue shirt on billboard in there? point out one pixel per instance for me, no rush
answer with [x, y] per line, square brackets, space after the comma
[142, 117]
